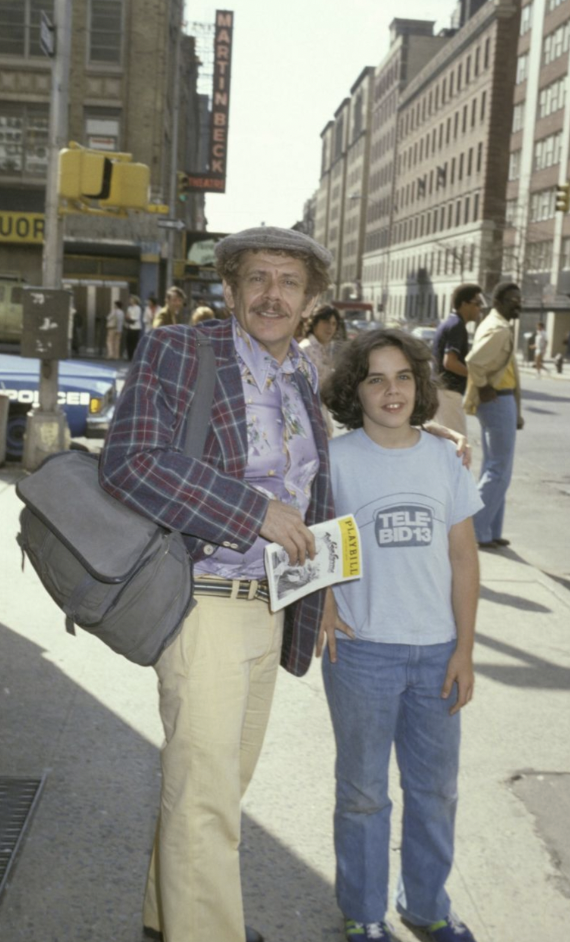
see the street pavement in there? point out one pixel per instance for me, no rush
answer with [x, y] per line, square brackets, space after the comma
[88, 720]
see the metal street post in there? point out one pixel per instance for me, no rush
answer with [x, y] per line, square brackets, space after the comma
[46, 429]
[174, 151]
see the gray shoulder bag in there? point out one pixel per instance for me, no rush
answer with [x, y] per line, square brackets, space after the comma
[112, 571]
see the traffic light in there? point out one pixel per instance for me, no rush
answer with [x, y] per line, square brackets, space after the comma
[182, 186]
[563, 197]
[111, 178]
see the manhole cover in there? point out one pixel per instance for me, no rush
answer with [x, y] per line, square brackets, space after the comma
[18, 799]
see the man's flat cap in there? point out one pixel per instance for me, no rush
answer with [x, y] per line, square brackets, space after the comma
[273, 238]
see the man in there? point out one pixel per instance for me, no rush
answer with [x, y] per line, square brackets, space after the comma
[264, 476]
[171, 312]
[450, 347]
[150, 312]
[540, 345]
[493, 394]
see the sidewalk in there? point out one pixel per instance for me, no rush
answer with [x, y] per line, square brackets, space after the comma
[72, 709]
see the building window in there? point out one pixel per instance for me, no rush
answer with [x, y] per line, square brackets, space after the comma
[542, 204]
[487, 56]
[515, 165]
[23, 140]
[556, 43]
[522, 68]
[518, 115]
[479, 157]
[483, 105]
[106, 31]
[552, 4]
[475, 207]
[547, 151]
[466, 211]
[539, 256]
[526, 18]
[470, 162]
[551, 98]
[565, 254]
[477, 57]
[102, 132]
[20, 26]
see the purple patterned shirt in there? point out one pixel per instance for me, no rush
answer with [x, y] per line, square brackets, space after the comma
[282, 456]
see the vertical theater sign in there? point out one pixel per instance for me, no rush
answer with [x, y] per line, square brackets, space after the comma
[214, 180]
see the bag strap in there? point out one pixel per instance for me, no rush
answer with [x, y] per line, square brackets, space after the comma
[201, 408]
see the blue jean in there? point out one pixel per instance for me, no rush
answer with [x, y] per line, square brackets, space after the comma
[380, 694]
[498, 421]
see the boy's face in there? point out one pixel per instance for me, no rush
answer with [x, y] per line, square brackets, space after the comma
[387, 395]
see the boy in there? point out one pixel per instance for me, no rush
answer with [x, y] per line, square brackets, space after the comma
[408, 670]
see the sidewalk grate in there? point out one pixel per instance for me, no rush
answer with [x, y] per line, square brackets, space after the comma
[18, 799]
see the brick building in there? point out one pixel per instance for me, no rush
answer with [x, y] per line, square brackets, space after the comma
[412, 44]
[537, 238]
[439, 135]
[451, 166]
[120, 99]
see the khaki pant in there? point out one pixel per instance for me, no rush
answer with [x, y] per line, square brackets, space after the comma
[450, 411]
[216, 683]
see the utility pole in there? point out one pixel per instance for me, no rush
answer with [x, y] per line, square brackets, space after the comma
[174, 153]
[47, 431]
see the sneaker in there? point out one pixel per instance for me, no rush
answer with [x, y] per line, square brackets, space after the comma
[361, 932]
[447, 930]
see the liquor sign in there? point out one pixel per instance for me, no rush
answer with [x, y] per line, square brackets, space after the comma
[214, 180]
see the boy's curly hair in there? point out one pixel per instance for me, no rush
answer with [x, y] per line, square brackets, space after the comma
[340, 391]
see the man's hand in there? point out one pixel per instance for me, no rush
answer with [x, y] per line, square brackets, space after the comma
[459, 671]
[487, 393]
[283, 524]
[331, 622]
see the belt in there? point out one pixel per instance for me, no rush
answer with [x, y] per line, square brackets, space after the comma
[233, 588]
[505, 392]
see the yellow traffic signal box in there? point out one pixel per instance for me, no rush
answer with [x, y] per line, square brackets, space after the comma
[563, 197]
[111, 178]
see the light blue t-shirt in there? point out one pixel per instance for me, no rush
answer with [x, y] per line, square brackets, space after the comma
[405, 501]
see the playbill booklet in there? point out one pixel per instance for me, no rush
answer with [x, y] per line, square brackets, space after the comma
[338, 557]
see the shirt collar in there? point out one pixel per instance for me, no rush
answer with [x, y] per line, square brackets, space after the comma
[263, 367]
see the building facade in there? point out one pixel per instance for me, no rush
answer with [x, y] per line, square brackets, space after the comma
[121, 98]
[537, 237]
[439, 140]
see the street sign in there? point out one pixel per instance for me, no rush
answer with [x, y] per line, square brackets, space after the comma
[171, 224]
[47, 34]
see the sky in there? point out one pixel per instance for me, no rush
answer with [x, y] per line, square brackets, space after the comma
[293, 63]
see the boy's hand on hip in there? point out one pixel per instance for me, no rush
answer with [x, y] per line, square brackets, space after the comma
[330, 623]
[460, 672]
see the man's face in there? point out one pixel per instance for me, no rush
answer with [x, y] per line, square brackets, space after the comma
[510, 304]
[472, 310]
[174, 303]
[270, 300]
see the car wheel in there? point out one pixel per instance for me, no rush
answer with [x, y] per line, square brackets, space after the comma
[15, 433]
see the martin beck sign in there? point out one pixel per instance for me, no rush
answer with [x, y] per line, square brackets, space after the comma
[214, 180]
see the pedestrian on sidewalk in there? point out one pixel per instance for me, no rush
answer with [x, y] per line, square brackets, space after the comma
[171, 313]
[399, 666]
[540, 345]
[493, 394]
[450, 347]
[133, 325]
[114, 325]
[264, 477]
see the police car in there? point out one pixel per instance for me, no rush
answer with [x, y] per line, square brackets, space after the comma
[86, 393]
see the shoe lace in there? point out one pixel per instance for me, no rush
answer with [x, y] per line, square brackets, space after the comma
[456, 924]
[375, 930]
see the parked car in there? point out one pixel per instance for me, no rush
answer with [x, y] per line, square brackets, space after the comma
[424, 333]
[86, 394]
[357, 316]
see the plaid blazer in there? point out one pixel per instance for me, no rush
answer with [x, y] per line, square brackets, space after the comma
[206, 499]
